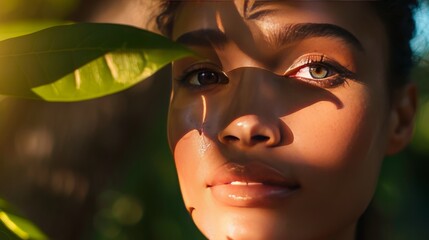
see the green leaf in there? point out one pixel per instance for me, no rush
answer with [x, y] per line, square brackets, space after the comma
[15, 29]
[22, 228]
[13, 226]
[82, 61]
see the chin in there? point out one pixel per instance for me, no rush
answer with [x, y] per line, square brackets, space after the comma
[240, 223]
[244, 224]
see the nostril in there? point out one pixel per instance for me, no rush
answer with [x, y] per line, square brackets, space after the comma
[260, 138]
[251, 130]
[231, 138]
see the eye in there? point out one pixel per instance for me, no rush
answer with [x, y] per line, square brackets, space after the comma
[204, 77]
[315, 71]
[319, 70]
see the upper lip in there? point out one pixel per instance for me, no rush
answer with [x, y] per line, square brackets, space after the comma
[250, 172]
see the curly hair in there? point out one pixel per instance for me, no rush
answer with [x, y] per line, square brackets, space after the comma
[397, 16]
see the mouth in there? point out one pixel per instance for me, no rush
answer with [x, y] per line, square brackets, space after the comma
[251, 185]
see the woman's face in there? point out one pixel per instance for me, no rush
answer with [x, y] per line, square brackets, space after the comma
[278, 128]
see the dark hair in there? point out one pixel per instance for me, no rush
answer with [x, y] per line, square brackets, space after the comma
[397, 16]
[165, 19]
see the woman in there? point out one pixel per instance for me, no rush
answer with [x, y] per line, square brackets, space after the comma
[280, 126]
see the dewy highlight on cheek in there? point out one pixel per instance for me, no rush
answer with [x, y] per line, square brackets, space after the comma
[203, 144]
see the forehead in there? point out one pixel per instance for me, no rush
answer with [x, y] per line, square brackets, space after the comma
[264, 17]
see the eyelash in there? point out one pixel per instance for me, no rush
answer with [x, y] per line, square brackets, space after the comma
[338, 74]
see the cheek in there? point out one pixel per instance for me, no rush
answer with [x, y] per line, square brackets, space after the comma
[187, 159]
[185, 114]
[339, 153]
[333, 138]
[193, 153]
[328, 137]
[188, 144]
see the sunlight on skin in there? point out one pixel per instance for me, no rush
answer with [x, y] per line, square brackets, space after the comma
[204, 144]
[204, 111]
[219, 22]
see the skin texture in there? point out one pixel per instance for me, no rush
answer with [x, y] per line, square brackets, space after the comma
[260, 108]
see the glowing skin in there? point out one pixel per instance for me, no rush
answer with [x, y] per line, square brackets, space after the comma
[280, 137]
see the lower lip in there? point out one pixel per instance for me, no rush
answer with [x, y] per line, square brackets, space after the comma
[258, 195]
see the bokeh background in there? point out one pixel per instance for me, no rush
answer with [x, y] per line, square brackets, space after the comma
[101, 169]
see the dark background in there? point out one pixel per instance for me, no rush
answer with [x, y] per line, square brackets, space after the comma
[101, 169]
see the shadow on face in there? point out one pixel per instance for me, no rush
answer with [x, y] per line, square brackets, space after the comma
[277, 128]
[250, 92]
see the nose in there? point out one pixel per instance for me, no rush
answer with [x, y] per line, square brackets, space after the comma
[251, 130]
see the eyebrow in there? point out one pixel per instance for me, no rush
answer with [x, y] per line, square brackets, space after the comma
[285, 35]
[298, 32]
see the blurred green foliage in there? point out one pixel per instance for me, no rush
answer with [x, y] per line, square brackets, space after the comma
[144, 203]
[13, 226]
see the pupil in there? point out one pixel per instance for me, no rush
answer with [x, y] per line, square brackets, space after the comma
[207, 77]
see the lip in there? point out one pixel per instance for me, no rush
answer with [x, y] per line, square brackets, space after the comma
[250, 185]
